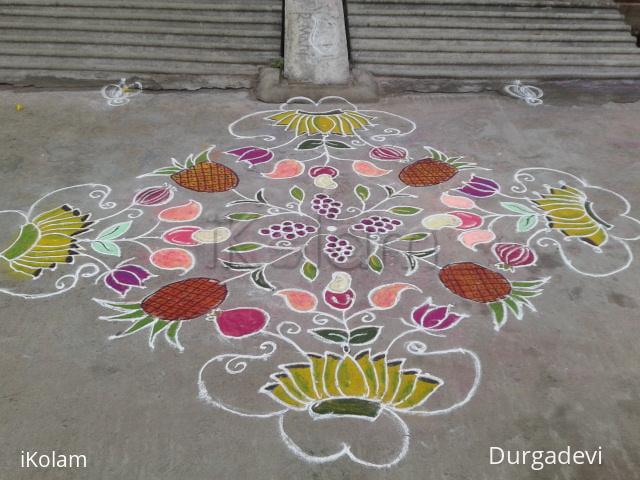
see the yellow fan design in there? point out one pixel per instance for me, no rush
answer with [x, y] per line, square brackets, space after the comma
[568, 210]
[359, 385]
[46, 241]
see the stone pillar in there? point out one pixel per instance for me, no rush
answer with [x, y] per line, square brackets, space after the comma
[315, 42]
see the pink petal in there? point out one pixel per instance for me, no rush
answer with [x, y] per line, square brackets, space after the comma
[173, 259]
[285, 169]
[368, 169]
[182, 213]
[116, 286]
[468, 219]
[451, 320]
[181, 236]
[453, 201]
[387, 296]
[471, 238]
[299, 300]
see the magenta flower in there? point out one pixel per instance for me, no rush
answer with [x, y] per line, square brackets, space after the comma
[252, 155]
[434, 317]
[388, 152]
[125, 277]
[479, 187]
[513, 255]
[154, 196]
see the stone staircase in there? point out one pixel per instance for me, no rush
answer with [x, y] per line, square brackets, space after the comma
[492, 39]
[164, 43]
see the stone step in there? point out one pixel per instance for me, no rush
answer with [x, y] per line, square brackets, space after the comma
[502, 3]
[436, 11]
[68, 28]
[428, 60]
[489, 72]
[99, 39]
[201, 5]
[494, 24]
[445, 33]
[141, 14]
[125, 67]
[97, 79]
[492, 46]
[115, 53]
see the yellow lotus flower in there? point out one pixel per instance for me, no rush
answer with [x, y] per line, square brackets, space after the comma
[359, 385]
[338, 122]
[46, 241]
[569, 210]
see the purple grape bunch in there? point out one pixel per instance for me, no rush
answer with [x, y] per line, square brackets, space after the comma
[338, 249]
[288, 230]
[326, 206]
[376, 224]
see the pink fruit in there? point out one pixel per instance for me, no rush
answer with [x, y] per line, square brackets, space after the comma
[339, 301]
[240, 322]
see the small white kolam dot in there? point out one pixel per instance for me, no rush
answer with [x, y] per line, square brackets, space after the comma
[332, 228]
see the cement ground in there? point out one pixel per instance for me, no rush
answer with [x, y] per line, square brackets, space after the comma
[567, 375]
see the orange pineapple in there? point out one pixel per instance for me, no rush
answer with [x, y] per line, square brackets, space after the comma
[166, 309]
[185, 300]
[200, 173]
[480, 284]
[207, 177]
[433, 170]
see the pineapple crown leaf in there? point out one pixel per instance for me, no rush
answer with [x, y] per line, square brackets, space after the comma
[118, 306]
[136, 326]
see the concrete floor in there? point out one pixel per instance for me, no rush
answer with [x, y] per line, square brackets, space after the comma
[565, 376]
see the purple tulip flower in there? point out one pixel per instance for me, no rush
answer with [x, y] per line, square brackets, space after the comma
[434, 317]
[479, 187]
[253, 155]
[125, 277]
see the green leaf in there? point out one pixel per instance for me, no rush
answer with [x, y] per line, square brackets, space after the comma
[172, 332]
[526, 223]
[425, 253]
[309, 144]
[362, 335]
[528, 284]
[404, 210]
[412, 264]
[158, 326]
[297, 193]
[336, 144]
[332, 335]
[375, 264]
[499, 314]
[514, 307]
[241, 266]
[114, 231]
[202, 157]
[362, 192]
[135, 314]
[517, 208]
[244, 216]
[106, 248]
[414, 237]
[138, 325]
[259, 279]
[244, 247]
[165, 171]
[526, 293]
[310, 270]
[260, 196]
